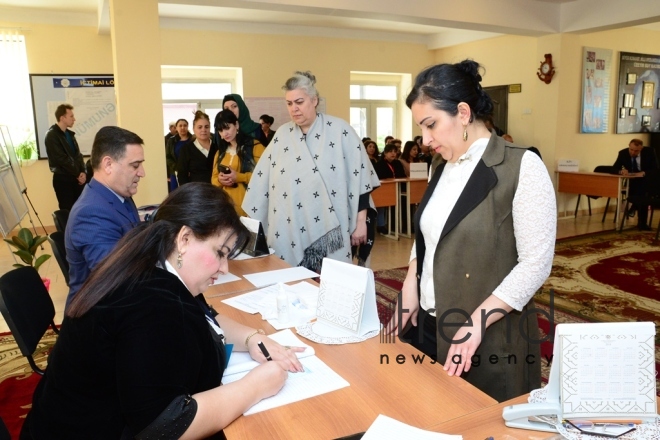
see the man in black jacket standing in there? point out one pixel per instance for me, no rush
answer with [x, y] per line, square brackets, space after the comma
[636, 161]
[64, 158]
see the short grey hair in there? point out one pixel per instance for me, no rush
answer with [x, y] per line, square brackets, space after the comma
[302, 80]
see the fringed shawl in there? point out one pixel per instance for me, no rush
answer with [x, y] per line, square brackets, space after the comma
[305, 191]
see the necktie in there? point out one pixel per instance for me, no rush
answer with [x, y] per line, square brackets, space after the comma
[634, 168]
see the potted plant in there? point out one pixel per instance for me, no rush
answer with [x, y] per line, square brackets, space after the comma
[26, 152]
[26, 249]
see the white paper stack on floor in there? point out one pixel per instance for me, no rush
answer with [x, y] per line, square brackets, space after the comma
[317, 378]
[387, 428]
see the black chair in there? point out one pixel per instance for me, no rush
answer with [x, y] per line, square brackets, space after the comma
[4, 432]
[28, 309]
[56, 240]
[60, 217]
[599, 169]
[651, 197]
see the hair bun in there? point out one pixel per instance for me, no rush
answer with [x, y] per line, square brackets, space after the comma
[471, 68]
[309, 75]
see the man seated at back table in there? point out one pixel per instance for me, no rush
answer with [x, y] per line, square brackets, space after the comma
[636, 160]
[105, 210]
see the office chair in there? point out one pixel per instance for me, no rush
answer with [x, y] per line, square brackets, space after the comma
[56, 240]
[599, 169]
[28, 309]
[60, 217]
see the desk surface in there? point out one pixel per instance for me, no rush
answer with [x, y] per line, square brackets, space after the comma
[418, 394]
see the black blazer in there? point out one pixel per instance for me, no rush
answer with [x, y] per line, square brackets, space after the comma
[385, 172]
[647, 160]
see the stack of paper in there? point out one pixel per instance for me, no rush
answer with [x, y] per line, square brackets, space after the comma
[317, 378]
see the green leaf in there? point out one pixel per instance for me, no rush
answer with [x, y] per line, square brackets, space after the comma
[25, 256]
[25, 235]
[41, 261]
[17, 243]
[18, 265]
[36, 244]
[10, 242]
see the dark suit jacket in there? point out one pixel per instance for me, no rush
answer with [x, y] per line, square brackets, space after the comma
[385, 172]
[647, 160]
[65, 163]
[96, 223]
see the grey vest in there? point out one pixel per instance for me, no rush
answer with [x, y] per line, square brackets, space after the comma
[476, 251]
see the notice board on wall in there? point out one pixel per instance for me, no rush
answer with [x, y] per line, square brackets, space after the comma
[92, 98]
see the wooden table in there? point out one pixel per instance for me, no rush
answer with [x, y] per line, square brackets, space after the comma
[593, 184]
[415, 189]
[386, 196]
[419, 394]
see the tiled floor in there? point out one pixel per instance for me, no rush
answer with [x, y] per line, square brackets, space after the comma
[386, 254]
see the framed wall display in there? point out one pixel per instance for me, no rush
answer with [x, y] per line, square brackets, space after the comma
[648, 90]
[639, 76]
[92, 98]
[595, 90]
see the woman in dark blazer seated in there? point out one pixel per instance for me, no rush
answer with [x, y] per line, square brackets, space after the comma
[140, 353]
[388, 167]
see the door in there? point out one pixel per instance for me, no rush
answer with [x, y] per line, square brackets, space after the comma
[500, 97]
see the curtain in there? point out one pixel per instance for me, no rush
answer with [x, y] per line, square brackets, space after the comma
[15, 96]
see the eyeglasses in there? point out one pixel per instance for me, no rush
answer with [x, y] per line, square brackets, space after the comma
[604, 429]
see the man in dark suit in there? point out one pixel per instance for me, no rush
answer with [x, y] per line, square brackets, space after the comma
[636, 161]
[64, 158]
[105, 211]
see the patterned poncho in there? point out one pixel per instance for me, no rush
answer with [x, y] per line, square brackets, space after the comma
[305, 191]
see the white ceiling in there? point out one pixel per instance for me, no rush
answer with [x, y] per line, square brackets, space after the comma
[436, 23]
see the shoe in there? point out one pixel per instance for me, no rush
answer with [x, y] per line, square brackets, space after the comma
[382, 230]
[644, 228]
[631, 213]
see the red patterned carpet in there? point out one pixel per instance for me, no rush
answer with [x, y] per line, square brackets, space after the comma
[17, 381]
[610, 277]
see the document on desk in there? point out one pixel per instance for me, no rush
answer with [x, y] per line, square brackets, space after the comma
[387, 428]
[303, 297]
[226, 278]
[317, 378]
[263, 279]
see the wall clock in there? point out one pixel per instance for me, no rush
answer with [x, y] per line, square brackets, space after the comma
[546, 71]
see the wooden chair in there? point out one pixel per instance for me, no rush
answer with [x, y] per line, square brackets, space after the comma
[28, 309]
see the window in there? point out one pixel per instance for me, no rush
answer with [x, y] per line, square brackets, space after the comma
[182, 99]
[16, 102]
[373, 111]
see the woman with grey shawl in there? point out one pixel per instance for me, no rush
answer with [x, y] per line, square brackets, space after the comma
[310, 190]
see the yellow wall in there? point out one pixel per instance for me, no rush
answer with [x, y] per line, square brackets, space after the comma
[267, 61]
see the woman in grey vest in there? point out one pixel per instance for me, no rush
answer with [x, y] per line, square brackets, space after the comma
[484, 243]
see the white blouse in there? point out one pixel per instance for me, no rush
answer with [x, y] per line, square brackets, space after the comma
[534, 223]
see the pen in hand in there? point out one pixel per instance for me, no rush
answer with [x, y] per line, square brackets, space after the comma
[262, 347]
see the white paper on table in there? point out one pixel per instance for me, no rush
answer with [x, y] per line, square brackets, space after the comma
[249, 302]
[241, 362]
[263, 279]
[226, 278]
[387, 428]
[317, 379]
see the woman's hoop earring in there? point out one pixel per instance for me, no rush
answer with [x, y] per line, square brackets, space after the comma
[179, 260]
[465, 135]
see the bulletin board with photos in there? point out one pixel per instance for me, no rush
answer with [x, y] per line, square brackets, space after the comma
[638, 101]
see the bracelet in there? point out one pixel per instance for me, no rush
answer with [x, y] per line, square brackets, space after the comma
[256, 332]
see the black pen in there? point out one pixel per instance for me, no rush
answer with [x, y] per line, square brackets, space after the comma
[262, 347]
